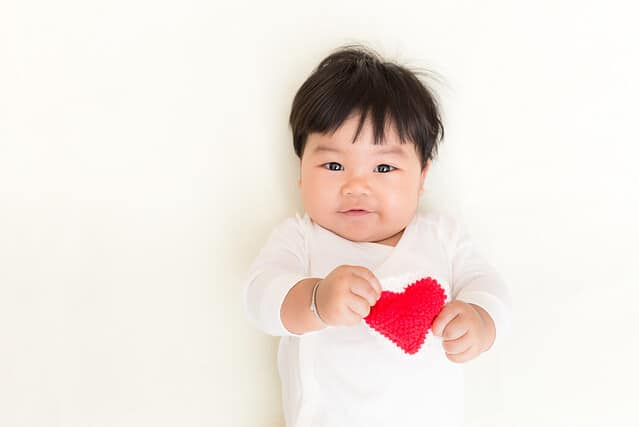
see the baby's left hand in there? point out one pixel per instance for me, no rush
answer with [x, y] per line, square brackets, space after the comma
[467, 330]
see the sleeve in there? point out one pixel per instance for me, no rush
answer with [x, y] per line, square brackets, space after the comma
[475, 281]
[280, 264]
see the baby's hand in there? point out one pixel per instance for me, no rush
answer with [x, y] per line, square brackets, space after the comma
[346, 295]
[467, 330]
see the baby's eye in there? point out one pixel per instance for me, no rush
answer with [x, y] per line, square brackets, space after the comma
[384, 168]
[334, 166]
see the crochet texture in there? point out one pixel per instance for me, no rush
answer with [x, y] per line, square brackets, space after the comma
[405, 317]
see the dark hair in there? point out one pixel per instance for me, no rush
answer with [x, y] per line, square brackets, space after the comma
[356, 79]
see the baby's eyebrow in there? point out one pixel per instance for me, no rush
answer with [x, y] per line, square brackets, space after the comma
[388, 150]
[321, 148]
[392, 150]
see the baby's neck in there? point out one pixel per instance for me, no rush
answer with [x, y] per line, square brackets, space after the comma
[392, 240]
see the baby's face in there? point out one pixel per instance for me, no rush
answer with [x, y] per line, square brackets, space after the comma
[362, 192]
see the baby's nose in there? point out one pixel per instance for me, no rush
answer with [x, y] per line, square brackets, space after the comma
[356, 186]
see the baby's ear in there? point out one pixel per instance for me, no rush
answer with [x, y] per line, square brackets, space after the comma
[424, 173]
[425, 170]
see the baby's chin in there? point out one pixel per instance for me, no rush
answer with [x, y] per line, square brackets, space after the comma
[355, 235]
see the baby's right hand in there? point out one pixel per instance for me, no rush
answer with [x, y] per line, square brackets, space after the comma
[346, 295]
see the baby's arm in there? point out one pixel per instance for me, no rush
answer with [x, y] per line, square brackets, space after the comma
[279, 266]
[343, 298]
[278, 293]
[295, 313]
[480, 308]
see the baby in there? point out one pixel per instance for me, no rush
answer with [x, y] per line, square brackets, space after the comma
[365, 131]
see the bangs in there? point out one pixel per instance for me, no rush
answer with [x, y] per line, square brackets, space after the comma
[355, 80]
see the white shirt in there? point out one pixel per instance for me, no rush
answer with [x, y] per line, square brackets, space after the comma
[353, 376]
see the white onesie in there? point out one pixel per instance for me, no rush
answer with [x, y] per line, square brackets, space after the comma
[353, 376]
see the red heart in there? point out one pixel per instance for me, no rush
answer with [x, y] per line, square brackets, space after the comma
[405, 317]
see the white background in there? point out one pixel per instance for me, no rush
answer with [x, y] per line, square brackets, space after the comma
[145, 155]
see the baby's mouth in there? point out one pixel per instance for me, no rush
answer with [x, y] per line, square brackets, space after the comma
[355, 212]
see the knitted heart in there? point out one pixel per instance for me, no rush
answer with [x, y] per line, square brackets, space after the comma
[405, 317]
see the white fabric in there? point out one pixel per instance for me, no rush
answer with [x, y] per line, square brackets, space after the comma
[353, 376]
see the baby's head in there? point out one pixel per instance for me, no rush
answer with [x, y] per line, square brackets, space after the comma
[365, 131]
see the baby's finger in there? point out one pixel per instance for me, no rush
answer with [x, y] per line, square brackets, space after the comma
[448, 313]
[368, 275]
[359, 306]
[464, 356]
[455, 328]
[362, 288]
[351, 318]
[458, 345]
